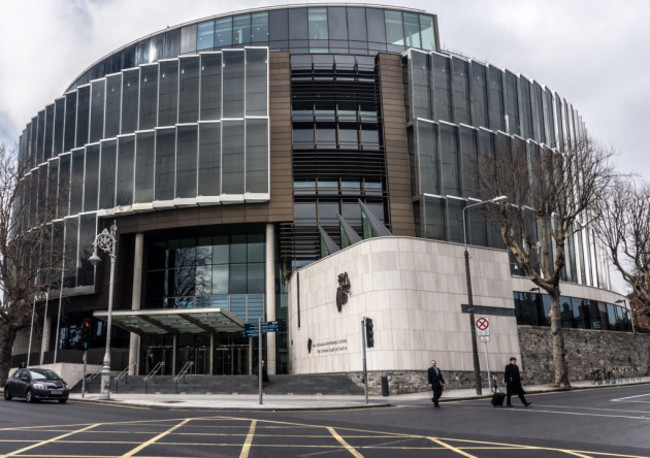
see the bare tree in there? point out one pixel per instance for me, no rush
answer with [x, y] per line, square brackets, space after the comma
[624, 226]
[551, 196]
[28, 258]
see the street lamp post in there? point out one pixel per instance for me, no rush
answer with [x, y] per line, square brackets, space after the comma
[107, 241]
[470, 298]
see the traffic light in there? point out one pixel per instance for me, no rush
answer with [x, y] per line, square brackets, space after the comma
[370, 333]
[85, 333]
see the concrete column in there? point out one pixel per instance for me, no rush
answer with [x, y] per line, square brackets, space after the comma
[270, 298]
[134, 346]
[45, 343]
[175, 344]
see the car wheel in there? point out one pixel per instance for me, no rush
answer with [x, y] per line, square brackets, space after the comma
[29, 396]
[62, 401]
[7, 395]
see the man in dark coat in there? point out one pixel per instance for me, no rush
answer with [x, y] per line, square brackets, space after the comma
[513, 382]
[437, 382]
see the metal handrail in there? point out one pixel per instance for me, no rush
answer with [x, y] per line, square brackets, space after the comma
[125, 372]
[91, 377]
[188, 365]
[152, 374]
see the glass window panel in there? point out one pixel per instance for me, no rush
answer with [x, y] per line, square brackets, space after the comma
[221, 249]
[475, 226]
[184, 285]
[59, 118]
[427, 157]
[238, 248]
[113, 99]
[512, 104]
[305, 211]
[71, 239]
[83, 107]
[130, 98]
[412, 30]
[210, 159]
[442, 87]
[87, 233]
[260, 27]
[337, 23]
[165, 163]
[325, 138]
[460, 88]
[455, 220]
[49, 128]
[91, 179]
[479, 95]
[64, 185]
[357, 24]
[537, 109]
[205, 36]
[156, 45]
[394, 27]
[107, 174]
[233, 157]
[255, 278]
[241, 29]
[188, 100]
[144, 167]
[125, 170]
[348, 139]
[238, 303]
[257, 156]
[327, 211]
[526, 114]
[188, 39]
[495, 93]
[278, 28]
[211, 86]
[148, 96]
[167, 105]
[203, 281]
[256, 248]
[70, 120]
[549, 125]
[298, 24]
[223, 32]
[370, 140]
[98, 91]
[76, 181]
[449, 160]
[186, 163]
[256, 82]
[220, 278]
[469, 161]
[255, 307]
[376, 25]
[172, 44]
[427, 32]
[233, 84]
[318, 24]
[420, 85]
[40, 136]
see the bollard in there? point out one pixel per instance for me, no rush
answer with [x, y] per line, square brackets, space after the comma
[384, 385]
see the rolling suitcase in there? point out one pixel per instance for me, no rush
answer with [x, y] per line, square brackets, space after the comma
[498, 398]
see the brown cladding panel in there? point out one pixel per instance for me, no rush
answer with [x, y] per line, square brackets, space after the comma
[398, 169]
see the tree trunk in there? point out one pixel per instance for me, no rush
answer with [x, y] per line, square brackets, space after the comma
[561, 375]
[7, 338]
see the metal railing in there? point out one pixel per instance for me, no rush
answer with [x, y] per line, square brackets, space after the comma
[181, 374]
[123, 375]
[158, 367]
[92, 376]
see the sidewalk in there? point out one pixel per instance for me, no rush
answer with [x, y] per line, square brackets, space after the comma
[305, 402]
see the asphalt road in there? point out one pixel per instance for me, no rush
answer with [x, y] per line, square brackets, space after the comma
[600, 422]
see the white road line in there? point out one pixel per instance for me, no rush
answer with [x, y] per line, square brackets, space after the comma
[632, 397]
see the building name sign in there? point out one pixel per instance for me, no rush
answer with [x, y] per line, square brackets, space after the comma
[331, 346]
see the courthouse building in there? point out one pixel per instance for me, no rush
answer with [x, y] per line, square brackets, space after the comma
[250, 159]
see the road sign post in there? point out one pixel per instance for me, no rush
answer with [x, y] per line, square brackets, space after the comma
[483, 332]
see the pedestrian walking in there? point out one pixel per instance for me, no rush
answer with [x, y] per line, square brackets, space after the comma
[513, 383]
[437, 382]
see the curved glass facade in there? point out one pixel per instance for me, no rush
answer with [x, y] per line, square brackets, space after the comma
[345, 29]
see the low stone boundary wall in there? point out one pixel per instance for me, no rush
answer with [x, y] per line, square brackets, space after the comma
[627, 352]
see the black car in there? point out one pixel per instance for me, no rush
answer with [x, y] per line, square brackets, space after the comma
[35, 385]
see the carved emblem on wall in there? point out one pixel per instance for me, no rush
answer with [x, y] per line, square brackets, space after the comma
[343, 291]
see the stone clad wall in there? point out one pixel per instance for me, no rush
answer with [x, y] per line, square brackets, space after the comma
[586, 348]
[627, 352]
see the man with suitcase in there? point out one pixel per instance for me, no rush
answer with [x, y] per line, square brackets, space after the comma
[513, 382]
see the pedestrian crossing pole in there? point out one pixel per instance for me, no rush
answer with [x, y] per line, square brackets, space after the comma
[365, 372]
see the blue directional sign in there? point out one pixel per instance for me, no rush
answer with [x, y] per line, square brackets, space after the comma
[253, 329]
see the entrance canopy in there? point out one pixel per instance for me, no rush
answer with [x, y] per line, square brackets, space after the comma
[174, 321]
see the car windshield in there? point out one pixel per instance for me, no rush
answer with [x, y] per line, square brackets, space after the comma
[44, 374]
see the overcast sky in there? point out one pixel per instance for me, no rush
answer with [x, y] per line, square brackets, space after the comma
[591, 52]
